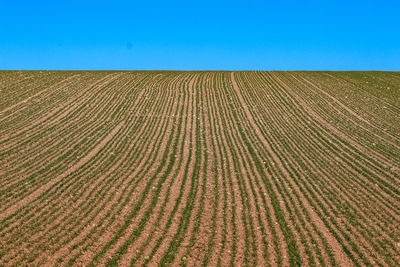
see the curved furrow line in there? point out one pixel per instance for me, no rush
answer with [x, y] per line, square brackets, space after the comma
[162, 223]
[21, 83]
[277, 135]
[9, 81]
[239, 246]
[32, 181]
[298, 235]
[363, 104]
[329, 142]
[38, 108]
[208, 168]
[184, 220]
[299, 165]
[31, 141]
[193, 233]
[369, 194]
[10, 109]
[46, 188]
[356, 118]
[12, 116]
[372, 98]
[79, 116]
[201, 236]
[374, 155]
[249, 176]
[52, 114]
[146, 246]
[66, 197]
[147, 227]
[118, 190]
[146, 205]
[168, 249]
[214, 246]
[340, 156]
[225, 256]
[126, 164]
[342, 128]
[63, 138]
[152, 253]
[4, 214]
[289, 170]
[122, 196]
[295, 248]
[80, 106]
[132, 214]
[382, 154]
[78, 113]
[315, 232]
[245, 207]
[337, 249]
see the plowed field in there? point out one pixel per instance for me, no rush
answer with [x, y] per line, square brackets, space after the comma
[199, 168]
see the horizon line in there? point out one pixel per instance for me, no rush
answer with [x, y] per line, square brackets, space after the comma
[194, 70]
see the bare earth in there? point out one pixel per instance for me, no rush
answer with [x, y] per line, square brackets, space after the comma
[199, 168]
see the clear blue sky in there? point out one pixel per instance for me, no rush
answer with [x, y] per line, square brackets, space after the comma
[200, 35]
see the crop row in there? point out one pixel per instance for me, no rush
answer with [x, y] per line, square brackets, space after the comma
[199, 168]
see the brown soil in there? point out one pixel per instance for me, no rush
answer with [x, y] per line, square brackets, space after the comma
[278, 181]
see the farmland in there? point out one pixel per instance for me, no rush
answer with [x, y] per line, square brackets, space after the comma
[199, 168]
